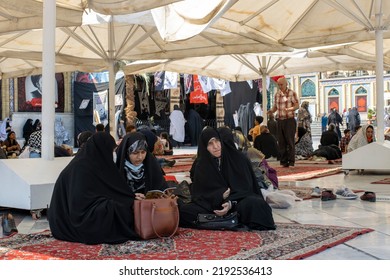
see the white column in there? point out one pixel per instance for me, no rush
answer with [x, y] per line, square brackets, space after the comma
[380, 99]
[111, 99]
[48, 79]
[264, 90]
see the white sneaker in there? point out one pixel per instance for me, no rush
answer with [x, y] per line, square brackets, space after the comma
[316, 192]
[345, 193]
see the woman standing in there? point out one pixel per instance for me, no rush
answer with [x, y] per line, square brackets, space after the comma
[304, 117]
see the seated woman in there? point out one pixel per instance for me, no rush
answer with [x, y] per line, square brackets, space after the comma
[91, 202]
[11, 145]
[154, 144]
[304, 144]
[365, 135]
[255, 130]
[266, 143]
[138, 166]
[223, 182]
[330, 136]
[168, 149]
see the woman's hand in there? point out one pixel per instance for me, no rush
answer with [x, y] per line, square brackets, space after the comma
[225, 209]
[226, 194]
[139, 196]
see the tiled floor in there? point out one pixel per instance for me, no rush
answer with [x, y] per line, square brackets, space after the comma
[353, 213]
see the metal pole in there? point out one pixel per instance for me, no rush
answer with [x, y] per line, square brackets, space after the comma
[111, 81]
[48, 79]
[380, 100]
[264, 90]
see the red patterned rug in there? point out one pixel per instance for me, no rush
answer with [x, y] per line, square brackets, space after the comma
[383, 181]
[289, 241]
[300, 173]
[177, 168]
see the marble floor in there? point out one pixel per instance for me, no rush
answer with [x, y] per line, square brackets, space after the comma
[350, 213]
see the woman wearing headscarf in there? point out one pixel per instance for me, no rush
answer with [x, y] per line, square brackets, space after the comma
[304, 144]
[223, 182]
[365, 135]
[266, 143]
[27, 130]
[91, 202]
[304, 118]
[37, 125]
[138, 167]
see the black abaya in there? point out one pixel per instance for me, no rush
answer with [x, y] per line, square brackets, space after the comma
[235, 173]
[91, 202]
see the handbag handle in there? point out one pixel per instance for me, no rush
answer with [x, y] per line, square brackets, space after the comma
[177, 223]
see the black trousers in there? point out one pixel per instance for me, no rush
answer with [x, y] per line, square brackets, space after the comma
[286, 140]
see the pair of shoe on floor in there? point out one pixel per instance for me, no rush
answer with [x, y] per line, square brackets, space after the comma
[8, 224]
[343, 193]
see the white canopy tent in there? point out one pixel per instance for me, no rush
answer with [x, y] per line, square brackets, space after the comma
[111, 39]
[315, 23]
[241, 67]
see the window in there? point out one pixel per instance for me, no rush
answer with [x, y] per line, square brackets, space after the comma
[308, 88]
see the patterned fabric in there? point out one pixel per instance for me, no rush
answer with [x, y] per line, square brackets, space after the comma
[35, 141]
[135, 177]
[305, 146]
[283, 101]
[343, 144]
[304, 119]
[288, 241]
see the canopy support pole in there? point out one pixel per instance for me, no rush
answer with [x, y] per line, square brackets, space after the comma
[264, 89]
[111, 80]
[380, 100]
[48, 79]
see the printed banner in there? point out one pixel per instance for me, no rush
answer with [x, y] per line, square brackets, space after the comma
[188, 83]
[159, 80]
[170, 80]
[100, 107]
[198, 96]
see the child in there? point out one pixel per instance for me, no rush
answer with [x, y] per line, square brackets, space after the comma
[167, 144]
[345, 141]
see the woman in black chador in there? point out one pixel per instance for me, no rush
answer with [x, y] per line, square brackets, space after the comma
[91, 202]
[138, 166]
[223, 181]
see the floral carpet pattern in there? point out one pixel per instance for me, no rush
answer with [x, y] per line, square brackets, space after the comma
[288, 241]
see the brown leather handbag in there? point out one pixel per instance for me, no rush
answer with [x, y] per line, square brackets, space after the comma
[157, 217]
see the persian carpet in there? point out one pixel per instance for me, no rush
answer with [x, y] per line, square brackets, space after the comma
[383, 181]
[300, 173]
[289, 241]
[177, 168]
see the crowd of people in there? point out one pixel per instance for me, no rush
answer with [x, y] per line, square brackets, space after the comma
[93, 197]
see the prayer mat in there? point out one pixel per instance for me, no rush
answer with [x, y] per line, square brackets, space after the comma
[304, 172]
[307, 161]
[177, 168]
[383, 181]
[183, 156]
[288, 241]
